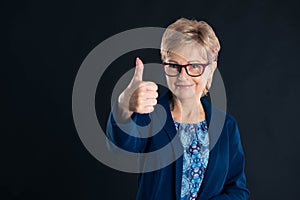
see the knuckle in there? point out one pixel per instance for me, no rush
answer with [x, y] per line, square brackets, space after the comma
[151, 109]
[139, 109]
[155, 95]
[139, 94]
[139, 102]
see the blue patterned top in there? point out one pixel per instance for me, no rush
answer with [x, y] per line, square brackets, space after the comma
[195, 141]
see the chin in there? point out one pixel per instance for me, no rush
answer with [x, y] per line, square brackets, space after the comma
[185, 94]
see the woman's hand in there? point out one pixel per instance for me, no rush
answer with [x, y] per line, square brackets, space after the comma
[139, 96]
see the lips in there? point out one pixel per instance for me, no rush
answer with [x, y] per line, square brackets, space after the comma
[183, 85]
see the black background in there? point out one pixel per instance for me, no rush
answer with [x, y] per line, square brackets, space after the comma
[44, 43]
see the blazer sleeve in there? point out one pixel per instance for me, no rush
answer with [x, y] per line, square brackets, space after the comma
[235, 185]
[126, 135]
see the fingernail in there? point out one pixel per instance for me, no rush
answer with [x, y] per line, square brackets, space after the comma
[136, 61]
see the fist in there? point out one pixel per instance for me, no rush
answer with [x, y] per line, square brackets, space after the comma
[139, 96]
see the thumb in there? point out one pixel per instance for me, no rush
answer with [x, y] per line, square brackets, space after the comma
[139, 69]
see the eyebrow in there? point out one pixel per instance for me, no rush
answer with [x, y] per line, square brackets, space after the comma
[191, 61]
[173, 61]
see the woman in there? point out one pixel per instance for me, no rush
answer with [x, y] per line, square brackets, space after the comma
[189, 51]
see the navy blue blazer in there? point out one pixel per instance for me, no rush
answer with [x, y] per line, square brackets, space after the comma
[224, 178]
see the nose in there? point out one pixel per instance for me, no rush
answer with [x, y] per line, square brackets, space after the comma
[182, 73]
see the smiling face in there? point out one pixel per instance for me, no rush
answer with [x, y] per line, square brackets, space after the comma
[183, 86]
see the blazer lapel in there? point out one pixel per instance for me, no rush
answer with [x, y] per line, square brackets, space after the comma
[214, 135]
[170, 129]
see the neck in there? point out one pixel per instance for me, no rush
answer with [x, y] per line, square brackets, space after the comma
[188, 110]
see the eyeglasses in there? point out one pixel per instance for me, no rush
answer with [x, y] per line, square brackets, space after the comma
[192, 69]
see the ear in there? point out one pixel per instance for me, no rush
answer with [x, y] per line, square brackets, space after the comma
[214, 65]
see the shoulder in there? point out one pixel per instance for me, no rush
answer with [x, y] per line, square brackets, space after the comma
[230, 124]
[230, 121]
[217, 115]
[220, 122]
[232, 130]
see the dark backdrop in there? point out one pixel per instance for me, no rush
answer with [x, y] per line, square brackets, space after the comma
[44, 43]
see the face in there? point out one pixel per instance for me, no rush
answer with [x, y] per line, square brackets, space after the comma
[183, 86]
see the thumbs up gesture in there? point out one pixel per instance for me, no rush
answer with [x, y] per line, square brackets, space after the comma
[139, 96]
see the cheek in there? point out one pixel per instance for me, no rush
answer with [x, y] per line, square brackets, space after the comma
[170, 82]
[200, 83]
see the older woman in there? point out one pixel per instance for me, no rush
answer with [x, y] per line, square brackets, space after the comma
[189, 51]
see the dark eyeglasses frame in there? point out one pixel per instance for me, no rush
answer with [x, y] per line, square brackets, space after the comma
[179, 68]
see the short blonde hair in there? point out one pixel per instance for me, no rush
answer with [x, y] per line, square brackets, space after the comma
[185, 32]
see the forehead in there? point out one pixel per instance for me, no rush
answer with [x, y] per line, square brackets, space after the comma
[187, 53]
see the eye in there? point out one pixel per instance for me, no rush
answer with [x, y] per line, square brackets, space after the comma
[195, 66]
[171, 65]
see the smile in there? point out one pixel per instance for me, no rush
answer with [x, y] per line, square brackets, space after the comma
[183, 86]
